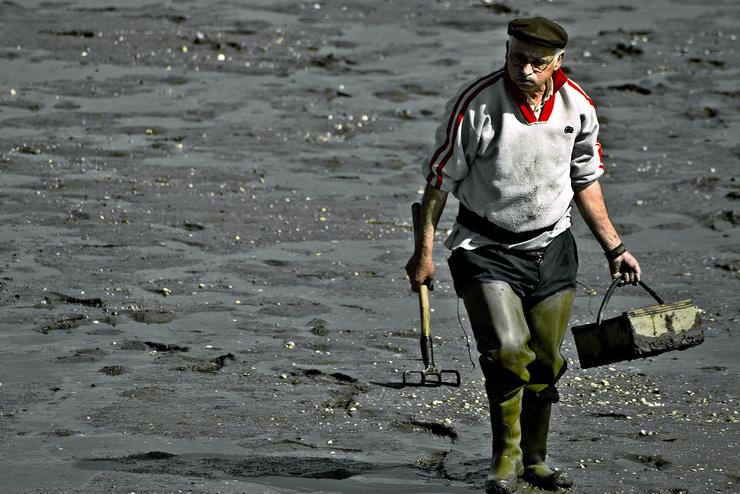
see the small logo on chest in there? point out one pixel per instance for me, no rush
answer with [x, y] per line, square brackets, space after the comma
[568, 129]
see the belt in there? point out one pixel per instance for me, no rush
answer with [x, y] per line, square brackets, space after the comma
[482, 226]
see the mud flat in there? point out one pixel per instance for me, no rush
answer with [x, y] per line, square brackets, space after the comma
[205, 217]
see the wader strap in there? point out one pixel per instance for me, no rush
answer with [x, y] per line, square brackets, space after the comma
[548, 395]
[482, 226]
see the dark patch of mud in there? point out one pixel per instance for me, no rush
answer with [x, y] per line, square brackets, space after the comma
[319, 327]
[153, 345]
[732, 266]
[88, 302]
[84, 355]
[293, 307]
[163, 463]
[148, 316]
[433, 463]
[626, 50]
[146, 392]
[212, 365]
[716, 220]
[436, 428]
[654, 461]
[632, 88]
[343, 398]
[65, 324]
[58, 433]
[112, 370]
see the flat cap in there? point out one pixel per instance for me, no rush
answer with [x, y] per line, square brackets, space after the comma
[538, 30]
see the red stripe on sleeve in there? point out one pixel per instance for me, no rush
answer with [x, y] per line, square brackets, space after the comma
[575, 86]
[458, 121]
[601, 155]
[453, 123]
[441, 165]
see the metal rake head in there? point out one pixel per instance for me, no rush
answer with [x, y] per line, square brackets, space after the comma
[432, 377]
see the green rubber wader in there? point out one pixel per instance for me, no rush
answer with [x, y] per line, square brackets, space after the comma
[519, 356]
[501, 334]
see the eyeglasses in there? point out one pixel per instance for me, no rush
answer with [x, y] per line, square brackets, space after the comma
[538, 64]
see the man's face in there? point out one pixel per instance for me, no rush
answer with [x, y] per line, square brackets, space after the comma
[530, 65]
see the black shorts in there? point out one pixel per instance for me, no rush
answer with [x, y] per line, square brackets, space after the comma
[532, 274]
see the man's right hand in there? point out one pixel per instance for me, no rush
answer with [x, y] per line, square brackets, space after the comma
[420, 270]
[420, 267]
[626, 267]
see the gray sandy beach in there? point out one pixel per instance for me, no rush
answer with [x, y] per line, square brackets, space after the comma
[205, 212]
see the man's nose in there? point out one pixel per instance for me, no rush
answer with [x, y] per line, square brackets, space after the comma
[526, 69]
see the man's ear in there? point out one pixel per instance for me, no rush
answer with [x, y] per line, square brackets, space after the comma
[559, 60]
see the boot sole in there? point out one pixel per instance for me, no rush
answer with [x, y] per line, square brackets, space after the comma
[558, 481]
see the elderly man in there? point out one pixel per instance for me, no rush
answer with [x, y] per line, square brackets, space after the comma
[515, 147]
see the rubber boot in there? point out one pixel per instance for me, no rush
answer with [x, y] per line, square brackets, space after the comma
[501, 333]
[506, 454]
[535, 423]
[547, 320]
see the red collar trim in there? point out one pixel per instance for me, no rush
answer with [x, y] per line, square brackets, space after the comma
[558, 79]
[519, 98]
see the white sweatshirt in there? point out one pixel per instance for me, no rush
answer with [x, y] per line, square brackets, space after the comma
[505, 164]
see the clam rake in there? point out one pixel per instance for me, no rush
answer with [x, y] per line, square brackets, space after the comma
[431, 375]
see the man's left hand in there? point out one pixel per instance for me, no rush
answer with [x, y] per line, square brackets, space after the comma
[625, 267]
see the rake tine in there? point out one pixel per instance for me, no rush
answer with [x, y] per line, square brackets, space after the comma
[454, 373]
[408, 373]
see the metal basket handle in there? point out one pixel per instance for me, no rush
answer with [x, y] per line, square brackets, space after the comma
[610, 291]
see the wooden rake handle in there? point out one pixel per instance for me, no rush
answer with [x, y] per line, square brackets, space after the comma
[427, 348]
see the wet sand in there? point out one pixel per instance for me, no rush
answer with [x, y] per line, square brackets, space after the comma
[205, 218]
